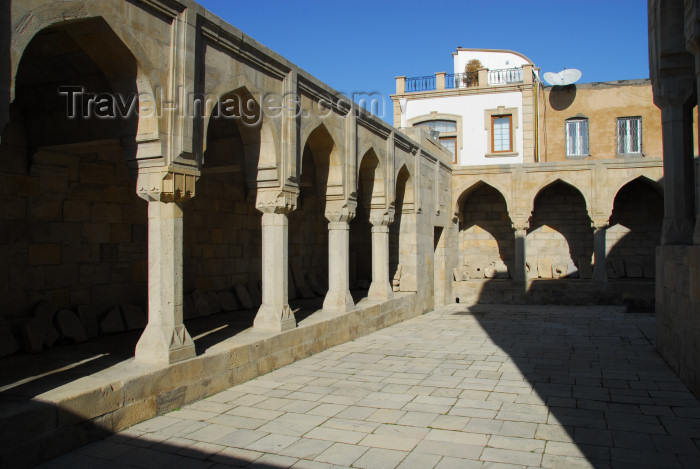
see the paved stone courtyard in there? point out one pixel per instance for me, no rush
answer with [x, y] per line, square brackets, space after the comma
[488, 386]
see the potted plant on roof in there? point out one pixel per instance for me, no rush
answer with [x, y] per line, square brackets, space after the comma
[471, 73]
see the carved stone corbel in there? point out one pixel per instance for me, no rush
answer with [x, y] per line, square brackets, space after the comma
[340, 210]
[277, 200]
[381, 217]
[166, 184]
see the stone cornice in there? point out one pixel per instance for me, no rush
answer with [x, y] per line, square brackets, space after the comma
[238, 45]
[169, 8]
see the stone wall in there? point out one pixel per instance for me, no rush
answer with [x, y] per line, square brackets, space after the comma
[560, 239]
[73, 232]
[677, 310]
[308, 240]
[222, 236]
[601, 104]
[360, 249]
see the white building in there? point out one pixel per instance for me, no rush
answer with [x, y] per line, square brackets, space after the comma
[483, 117]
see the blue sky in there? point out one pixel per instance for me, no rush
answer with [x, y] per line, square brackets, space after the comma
[362, 45]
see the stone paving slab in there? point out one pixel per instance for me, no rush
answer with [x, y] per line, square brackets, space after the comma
[490, 386]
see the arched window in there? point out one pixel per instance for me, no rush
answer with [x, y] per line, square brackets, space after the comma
[447, 133]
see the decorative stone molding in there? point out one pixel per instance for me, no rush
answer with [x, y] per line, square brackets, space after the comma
[340, 210]
[166, 184]
[600, 223]
[381, 217]
[277, 200]
[520, 224]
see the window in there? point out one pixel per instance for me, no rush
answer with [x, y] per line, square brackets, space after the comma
[502, 137]
[450, 143]
[447, 133]
[501, 125]
[577, 138]
[629, 135]
[439, 125]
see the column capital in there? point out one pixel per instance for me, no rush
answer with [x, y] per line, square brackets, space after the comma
[381, 217]
[340, 210]
[520, 224]
[277, 200]
[674, 92]
[600, 223]
[166, 184]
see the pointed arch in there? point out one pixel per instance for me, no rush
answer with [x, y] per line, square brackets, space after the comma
[109, 42]
[656, 185]
[405, 193]
[325, 153]
[240, 110]
[486, 238]
[371, 181]
[559, 239]
[109, 69]
[551, 181]
[635, 229]
[467, 192]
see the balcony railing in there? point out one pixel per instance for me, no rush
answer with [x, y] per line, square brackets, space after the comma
[505, 76]
[425, 83]
[461, 80]
[451, 81]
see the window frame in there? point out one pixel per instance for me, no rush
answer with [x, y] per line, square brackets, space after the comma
[586, 152]
[640, 134]
[423, 120]
[501, 111]
[454, 139]
[510, 133]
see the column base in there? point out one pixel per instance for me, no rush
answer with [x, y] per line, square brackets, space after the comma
[165, 345]
[274, 318]
[338, 302]
[380, 291]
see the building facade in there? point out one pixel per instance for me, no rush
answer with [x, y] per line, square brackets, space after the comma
[485, 116]
[547, 179]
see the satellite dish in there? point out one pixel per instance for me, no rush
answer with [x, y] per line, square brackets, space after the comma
[567, 76]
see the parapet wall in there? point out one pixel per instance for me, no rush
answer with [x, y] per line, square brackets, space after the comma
[107, 402]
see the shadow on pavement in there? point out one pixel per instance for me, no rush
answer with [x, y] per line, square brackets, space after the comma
[597, 371]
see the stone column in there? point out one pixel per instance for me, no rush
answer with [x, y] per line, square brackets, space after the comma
[600, 273]
[380, 289]
[691, 23]
[520, 265]
[274, 313]
[165, 339]
[679, 186]
[338, 298]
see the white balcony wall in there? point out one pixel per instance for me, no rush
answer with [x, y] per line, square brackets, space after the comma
[473, 138]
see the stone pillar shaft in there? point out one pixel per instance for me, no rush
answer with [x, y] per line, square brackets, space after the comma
[380, 289]
[679, 185]
[165, 339]
[520, 265]
[274, 313]
[600, 273]
[338, 298]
